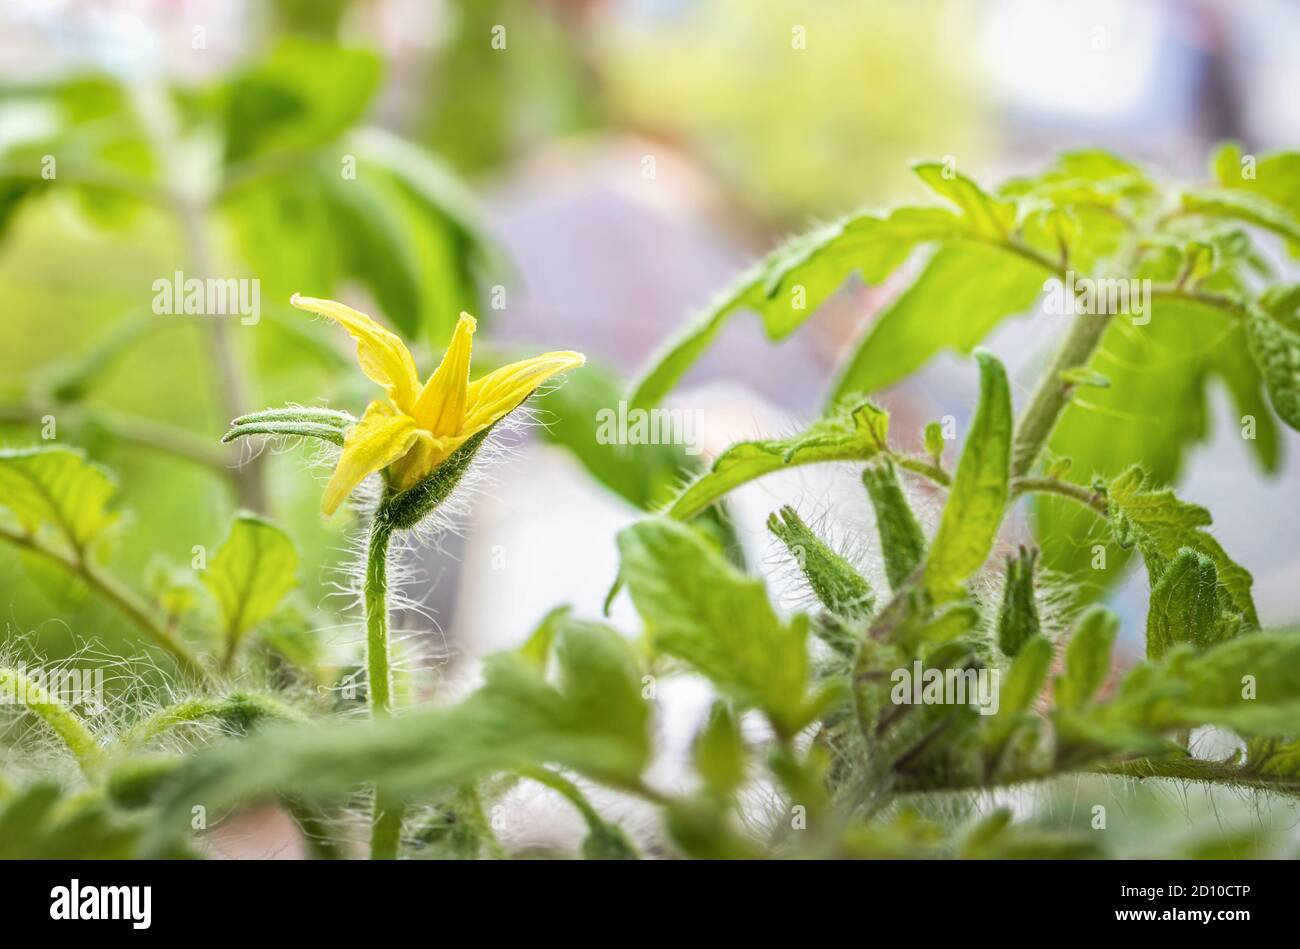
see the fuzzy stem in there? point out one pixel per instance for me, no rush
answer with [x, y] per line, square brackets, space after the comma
[79, 739]
[1053, 392]
[379, 673]
[386, 818]
[238, 709]
[1076, 492]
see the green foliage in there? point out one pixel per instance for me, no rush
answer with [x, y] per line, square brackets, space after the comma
[1273, 328]
[302, 95]
[251, 572]
[328, 425]
[922, 322]
[1018, 619]
[313, 201]
[1161, 526]
[978, 498]
[57, 488]
[1023, 683]
[856, 431]
[646, 476]
[719, 752]
[838, 587]
[592, 720]
[42, 823]
[701, 610]
[1185, 605]
[902, 543]
[1087, 658]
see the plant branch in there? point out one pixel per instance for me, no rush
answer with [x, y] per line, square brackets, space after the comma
[79, 739]
[1076, 492]
[387, 813]
[923, 468]
[1195, 769]
[123, 599]
[136, 430]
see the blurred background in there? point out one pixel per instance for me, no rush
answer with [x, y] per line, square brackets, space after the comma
[604, 167]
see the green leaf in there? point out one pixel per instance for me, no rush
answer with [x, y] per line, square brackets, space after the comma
[1273, 756]
[1246, 207]
[1018, 618]
[40, 823]
[1024, 681]
[699, 608]
[951, 624]
[302, 95]
[962, 294]
[537, 648]
[1184, 606]
[1273, 178]
[1250, 683]
[373, 231]
[250, 574]
[14, 192]
[857, 431]
[607, 842]
[449, 255]
[996, 838]
[978, 498]
[1273, 328]
[1161, 526]
[901, 540]
[838, 587]
[788, 286]
[646, 476]
[1154, 411]
[59, 488]
[985, 215]
[593, 721]
[934, 441]
[719, 751]
[1087, 658]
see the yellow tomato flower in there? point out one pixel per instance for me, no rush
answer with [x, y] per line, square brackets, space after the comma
[419, 427]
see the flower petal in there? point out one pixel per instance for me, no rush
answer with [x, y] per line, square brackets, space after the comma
[503, 390]
[382, 355]
[426, 454]
[379, 439]
[440, 407]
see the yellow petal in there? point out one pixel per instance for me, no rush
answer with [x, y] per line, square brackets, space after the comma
[382, 355]
[502, 391]
[379, 439]
[440, 408]
[427, 453]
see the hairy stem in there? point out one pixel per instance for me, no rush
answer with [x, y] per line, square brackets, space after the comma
[923, 468]
[386, 817]
[123, 599]
[1075, 492]
[239, 709]
[61, 720]
[1053, 392]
